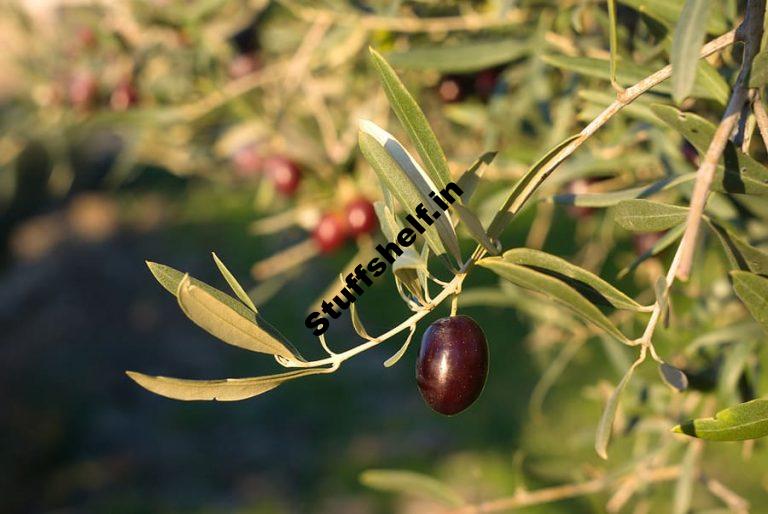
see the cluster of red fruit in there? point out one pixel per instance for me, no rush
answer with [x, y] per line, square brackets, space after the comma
[334, 228]
[283, 172]
[455, 88]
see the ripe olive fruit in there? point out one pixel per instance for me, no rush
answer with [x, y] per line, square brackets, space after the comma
[452, 364]
[284, 173]
[330, 233]
[361, 217]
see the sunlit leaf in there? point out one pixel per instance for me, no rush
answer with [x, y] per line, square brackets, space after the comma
[605, 427]
[415, 123]
[554, 288]
[668, 12]
[408, 482]
[475, 228]
[399, 354]
[226, 390]
[585, 282]
[357, 323]
[741, 254]
[234, 284]
[686, 45]
[460, 58]
[471, 177]
[611, 198]
[648, 216]
[752, 289]
[738, 423]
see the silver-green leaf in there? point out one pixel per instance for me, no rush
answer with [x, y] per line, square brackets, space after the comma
[686, 45]
[752, 289]
[738, 423]
[408, 482]
[648, 216]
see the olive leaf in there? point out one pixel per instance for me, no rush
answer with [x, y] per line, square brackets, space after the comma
[684, 484]
[738, 423]
[460, 58]
[613, 39]
[475, 228]
[648, 216]
[471, 177]
[171, 278]
[758, 76]
[413, 120]
[706, 85]
[741, 254]
[752, 289]
[673, 377]
[668, 12]
[220, 320]
[407, 182]
[699, 131]
[605, 427]
[524, 189]
[399, 354]
[686, 45]
[408, 482]
[659, 246]
[234, 284]
[225, 390]
[553, 288]
[357, 323]
[585, 282]
[611, 198]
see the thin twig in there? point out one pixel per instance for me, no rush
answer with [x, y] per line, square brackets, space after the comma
[750, 32]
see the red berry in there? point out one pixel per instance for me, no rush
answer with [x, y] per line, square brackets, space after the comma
[361, 217]
[123, 96]
[284, 174]
[247, 161]
[485, 83]
[450, 90]
[579, 187]
[330, 233]
[452, 365]
[690, 153]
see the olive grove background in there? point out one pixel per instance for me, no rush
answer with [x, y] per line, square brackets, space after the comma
[138, 130]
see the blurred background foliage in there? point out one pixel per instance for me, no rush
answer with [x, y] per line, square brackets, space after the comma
[163, 129]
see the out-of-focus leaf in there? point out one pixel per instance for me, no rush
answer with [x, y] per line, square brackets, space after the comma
[662, 244]
[738, 423]
[524, 189]
[732, 369]
[554, 288]
[408, 482]
[684, 485]
[605, 427]
[673, 377]
[399, 354]
[475, 228]
[667, 12]
[234, 284]
[470, 178]
[686, 45]
[648, 216]
[415, 123]
[741, 254]
[460, 58]
[629, 73]
[759, 75]
[220, 320]
[752, 289]
[700, 131]
[406, 181]
[226, 390]
[586, 282]
[171, 278]
[611, 198]
[613, 38]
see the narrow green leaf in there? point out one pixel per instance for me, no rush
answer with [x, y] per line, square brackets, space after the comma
[738, 423]
[758, 76]
[741, 254]
[399, 354]
[686, 45]
[554, 288]
[471, 177]
[647, 216]
[226, 390]
[415, 123]
[673, 377]
[234, 284]
[668, 12]
[605, 427]
[611, 198]
[587, 283]
[524, 189]
[357, 323]
[408, 182]
[613, 39]
[460, 58]
[699, 131]
[408, 482]
[752, 289]
[684, 484]
[220, 320]
[475, 228]
[171, 278]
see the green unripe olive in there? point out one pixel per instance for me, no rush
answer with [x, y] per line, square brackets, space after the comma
[452, 364]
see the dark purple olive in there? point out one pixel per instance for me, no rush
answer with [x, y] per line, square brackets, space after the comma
[452, 365]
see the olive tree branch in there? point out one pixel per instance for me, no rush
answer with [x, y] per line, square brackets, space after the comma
[750, 31]
[623, 99]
